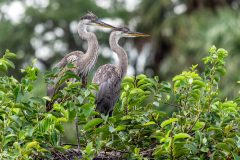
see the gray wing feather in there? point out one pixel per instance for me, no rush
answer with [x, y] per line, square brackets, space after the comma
[70, 58]
[109, 81]
[74, 58]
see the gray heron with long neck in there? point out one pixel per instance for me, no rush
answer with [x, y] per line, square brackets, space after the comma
[82, 63]
[109, 76]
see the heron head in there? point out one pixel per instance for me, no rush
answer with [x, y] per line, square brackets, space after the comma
[93, 20]
[126, 32]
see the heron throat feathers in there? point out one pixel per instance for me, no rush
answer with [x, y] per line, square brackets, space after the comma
[122, 55]
[91, 54]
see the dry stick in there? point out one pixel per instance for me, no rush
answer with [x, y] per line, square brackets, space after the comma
[198, 116]
[65, 157]
[58, 155]
[146, 153]
[112, 149]
[64, 99]
[171, 146]
[78, 139]
[56, 89]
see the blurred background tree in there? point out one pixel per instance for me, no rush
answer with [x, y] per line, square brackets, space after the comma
[181, 32]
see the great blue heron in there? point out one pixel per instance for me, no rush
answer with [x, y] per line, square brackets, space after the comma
[82, 63]
[109, 76]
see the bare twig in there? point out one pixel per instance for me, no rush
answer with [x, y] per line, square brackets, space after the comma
[194, 123]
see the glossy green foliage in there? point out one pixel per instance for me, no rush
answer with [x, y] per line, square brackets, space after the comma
[200, 126]
[5, 61]
[26, 129]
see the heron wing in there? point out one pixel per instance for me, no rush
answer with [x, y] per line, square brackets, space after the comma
[109, 81]
[69, 58]
[72, 57]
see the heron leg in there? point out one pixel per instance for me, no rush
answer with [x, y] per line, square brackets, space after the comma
[77, 132]
[84, 81]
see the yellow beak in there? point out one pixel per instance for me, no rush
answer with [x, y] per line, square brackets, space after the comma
[137, 34]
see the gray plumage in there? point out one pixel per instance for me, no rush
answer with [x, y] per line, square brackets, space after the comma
[109, 77]
[109, 80]
[83, 63]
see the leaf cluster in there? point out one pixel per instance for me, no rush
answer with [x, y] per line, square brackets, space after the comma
[201, 126]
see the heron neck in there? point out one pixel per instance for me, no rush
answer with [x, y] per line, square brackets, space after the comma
[122, 55]
[92, 49]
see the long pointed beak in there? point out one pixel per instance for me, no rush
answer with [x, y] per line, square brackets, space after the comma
[103, 24]
[137, 34]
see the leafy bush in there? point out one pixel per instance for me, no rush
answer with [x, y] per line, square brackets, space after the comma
[201, 126]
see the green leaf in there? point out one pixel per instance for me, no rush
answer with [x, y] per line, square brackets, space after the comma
[32, 144]
[9, 138]
[231, 142]
[235, 156]
[9, 55]
[169, 121]
[178, 77]
[229, 104]
[141, 76]
[89, 148]
[124, 94]
[198, 82]
[71, 114]
[127, 117]
[3, 66]
[128, 79]
[67, 75]
[212, 49]
[9, 63]
[47, 98]
[121, 128]
[23, 107]
[62, 119]
[223, 146]
[204, 149]
[142, 81]
[59, 127]
[87, 93]
[87, 109]
[67, 146]
[218, 131]
[198, 125]
[136, 151]
[136, 91]
[94, 122]
[181, 136]
[222, 52]
[149, 123]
